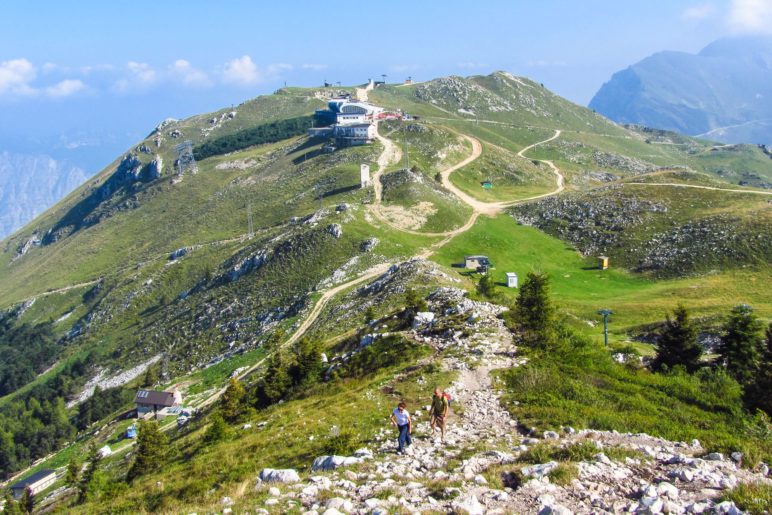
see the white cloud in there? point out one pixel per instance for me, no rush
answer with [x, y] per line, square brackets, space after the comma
[183, 71]
[139, 76]
[314, 67]
[65, 88]
[242, 71]
[698, 11]
[142, 72]
[751, 16]
[15, 77]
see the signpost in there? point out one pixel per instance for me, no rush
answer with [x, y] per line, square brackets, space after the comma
[605, 312]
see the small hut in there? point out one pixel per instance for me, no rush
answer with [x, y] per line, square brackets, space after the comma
[603, 262]
[511, 280]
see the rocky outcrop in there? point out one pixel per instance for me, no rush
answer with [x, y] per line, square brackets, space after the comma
[155, 168]
[247, 265]
[335, 230]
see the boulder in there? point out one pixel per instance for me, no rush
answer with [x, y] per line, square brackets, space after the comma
[539, 470]
[727, 508]
[279, 476]
[555, 509]
[339, 504]
[423, 318]
[714, 456]
[469, 505]
[335, 230]
[333, 462]
[551, 435]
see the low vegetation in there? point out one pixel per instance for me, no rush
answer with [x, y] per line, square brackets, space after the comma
[258, 135]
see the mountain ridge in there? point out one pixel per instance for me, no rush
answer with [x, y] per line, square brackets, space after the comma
[721, 92]
[274, 252]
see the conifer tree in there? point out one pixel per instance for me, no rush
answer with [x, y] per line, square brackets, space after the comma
[741, 344]
[73, 472]
[232, 404]
[92, 467]
[151, 449]
[11, 506]
[533, 314]
[217, 430]
[759, 392]
[677, 343]
[27, 501]
[275, 383]
[486, 285]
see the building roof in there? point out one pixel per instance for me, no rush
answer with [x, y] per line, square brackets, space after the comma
[154, 397]
[478, 257]
[510, 274]
[34, 478]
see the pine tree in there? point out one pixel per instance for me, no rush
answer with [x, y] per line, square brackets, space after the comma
[232, 403]
[486, 286]
[27, 501]
[370, 314]
[275, 383]
[92, 467]
[414, 303]
[73, 472]
[758, 392]
[534, 315]
[741, 345]
[307, 364]
[217, 430]
[677, 343]
[151, 448]
[11, 506]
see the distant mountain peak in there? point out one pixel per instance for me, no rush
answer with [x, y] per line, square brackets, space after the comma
[725, 90]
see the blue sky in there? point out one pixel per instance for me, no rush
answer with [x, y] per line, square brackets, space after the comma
[85, 79]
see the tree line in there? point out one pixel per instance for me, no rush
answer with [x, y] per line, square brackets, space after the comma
[266, 133]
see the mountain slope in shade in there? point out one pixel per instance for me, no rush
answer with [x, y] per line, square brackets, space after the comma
[30, 184]
[723, 93]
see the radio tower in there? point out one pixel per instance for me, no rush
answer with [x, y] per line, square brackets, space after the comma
[185, 160]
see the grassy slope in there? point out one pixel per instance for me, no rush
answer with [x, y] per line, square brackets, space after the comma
[513, 177]
[581, 289]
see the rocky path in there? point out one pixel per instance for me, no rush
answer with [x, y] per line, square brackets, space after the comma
[477, 470]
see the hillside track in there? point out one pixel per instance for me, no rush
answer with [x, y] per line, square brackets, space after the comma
[695, 186]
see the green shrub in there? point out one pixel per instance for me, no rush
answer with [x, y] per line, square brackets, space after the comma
[563, 474]
[341, 442]
[383, 353]
[751, 497]
[266, 133]
[580, 385]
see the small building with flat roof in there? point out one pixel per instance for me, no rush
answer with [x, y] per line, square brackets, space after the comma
[36, 483]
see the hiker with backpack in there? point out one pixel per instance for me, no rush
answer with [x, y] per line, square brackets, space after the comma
[439, 411]
[400, 418]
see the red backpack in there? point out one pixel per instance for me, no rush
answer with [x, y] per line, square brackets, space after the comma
[447, 397]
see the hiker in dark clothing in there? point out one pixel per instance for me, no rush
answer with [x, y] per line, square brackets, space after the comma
[439, 411]
[402, 421]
